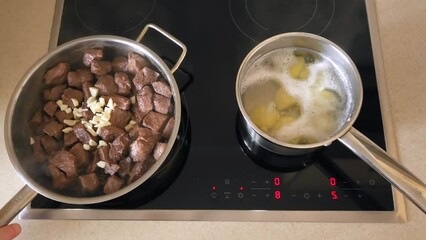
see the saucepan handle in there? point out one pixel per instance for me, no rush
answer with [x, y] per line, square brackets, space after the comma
[170, 37]
[16, 204]
[387, 166]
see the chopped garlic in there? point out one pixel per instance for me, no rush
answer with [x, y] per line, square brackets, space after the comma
[77, 113]
[70, 122]
[90, 101]
[32, 141]
[59, 103]
[133, 99]
[92, 132]
[68, 110]
[102, 143]
[93, 91]
[88, 125]
[101, 164]
[106, 116]
[133, 122]
[92, 143]
[128, 127]
[67, 130]
[75, 102]
[86, 147]
[110, 103]
[63, 107]
[101, 101]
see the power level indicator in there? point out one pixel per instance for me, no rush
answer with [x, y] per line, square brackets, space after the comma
[277, 181]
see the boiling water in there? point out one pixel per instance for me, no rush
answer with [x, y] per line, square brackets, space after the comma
[295, 96]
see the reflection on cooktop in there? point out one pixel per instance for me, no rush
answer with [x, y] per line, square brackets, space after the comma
[257, 20]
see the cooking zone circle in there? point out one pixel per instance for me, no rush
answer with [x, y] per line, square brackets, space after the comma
[257, 20]
[96, 15]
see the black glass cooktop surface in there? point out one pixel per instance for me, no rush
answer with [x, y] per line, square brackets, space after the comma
[217, 172]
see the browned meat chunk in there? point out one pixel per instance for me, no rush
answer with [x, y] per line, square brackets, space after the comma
[167, 132]
[113, 184]
[162, 104]
[61, 116]
[70, 93]
[64, 161]
[100, 67]
[76, 78]
[81, 155]
[162, 88]
[87, 114]
[122, 102]
[50, 145]
[123, 83]
[93, 162]
[54, 129]
[57, 75]
[86, 91]
[120, 118]
[159, 149]
[111, 169]
[69, 139]
[103, 153]
[92, 54]
[155, 121]
[89, 182]
[50, 108]
[140, 150]
[60, 180]
[109, 133]
[136, 172]
[54, 93]
[119, 147]
[144, 77]
[143, 133]
[82, 134]
[106, 85]
[125, 166]
[144, 100]
[119, 64]
[39, 155]
[36, 120]
[136, 63]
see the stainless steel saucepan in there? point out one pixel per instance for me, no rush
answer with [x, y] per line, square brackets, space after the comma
[364, 148]
[27, 98]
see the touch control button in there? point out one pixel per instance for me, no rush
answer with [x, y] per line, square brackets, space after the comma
[306, 195]
[240, 195]
[213, 195]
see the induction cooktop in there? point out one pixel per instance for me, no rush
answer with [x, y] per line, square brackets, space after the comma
[212, 173]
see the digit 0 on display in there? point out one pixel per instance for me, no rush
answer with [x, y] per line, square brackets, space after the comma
[277, 181]
[332, 181]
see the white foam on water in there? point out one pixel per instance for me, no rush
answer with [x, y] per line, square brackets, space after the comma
[323, 75]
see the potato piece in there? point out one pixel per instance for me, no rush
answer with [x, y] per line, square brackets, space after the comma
[298, 70]
[264, 117]
[283, 100]
[283, 121]
[329, 95]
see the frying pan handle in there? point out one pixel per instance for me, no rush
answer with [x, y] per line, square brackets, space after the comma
[16, 204]
[387, 166]
[170, 37]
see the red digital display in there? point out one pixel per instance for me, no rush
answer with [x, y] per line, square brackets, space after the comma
[334, 195]
[277, 195]
[277, 181]
[332, 181]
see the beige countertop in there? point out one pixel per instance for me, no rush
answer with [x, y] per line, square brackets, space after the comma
[25, 27]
